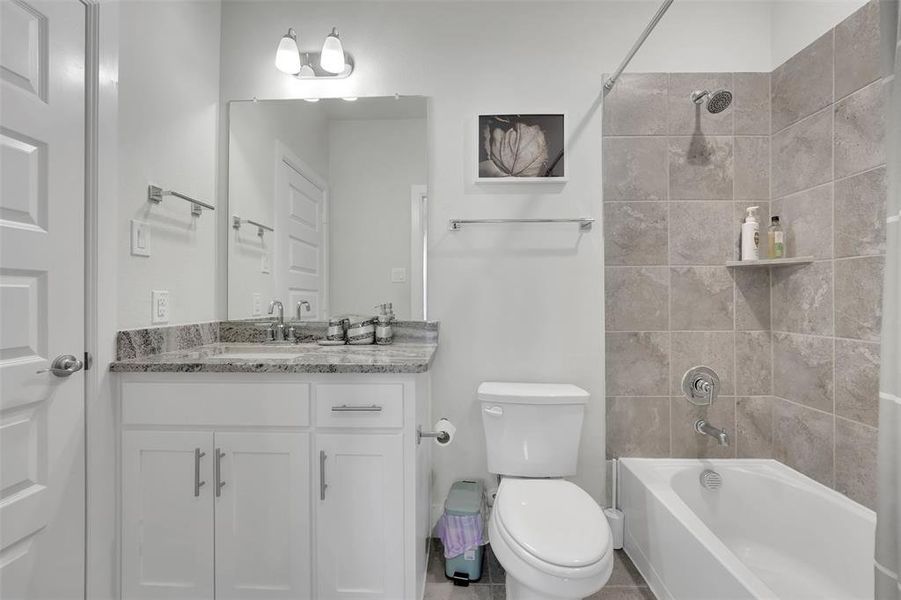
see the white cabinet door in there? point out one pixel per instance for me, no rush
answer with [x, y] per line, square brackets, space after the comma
[263, 516]
[359, 520]
[167, 515]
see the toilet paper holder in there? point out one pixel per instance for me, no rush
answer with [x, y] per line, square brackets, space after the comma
[442, 436]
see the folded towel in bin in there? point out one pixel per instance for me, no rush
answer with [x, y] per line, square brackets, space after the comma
[460, 533]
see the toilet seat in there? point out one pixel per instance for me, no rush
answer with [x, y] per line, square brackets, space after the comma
[554, 526]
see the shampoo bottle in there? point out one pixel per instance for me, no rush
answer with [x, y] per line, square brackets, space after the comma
[750, 235]
[776, 239]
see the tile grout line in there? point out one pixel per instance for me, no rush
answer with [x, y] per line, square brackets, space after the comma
[669, 316]
[832, 262]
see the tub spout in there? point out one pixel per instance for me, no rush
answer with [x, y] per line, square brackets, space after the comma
[705, 428]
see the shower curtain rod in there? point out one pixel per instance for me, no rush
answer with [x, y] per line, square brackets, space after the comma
[608, 85]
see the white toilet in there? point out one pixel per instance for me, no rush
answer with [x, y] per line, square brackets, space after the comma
[549, 535]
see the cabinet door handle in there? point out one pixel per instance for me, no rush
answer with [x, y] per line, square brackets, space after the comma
[197, 483]
[346, 408]
[217, 467]
[322, 483]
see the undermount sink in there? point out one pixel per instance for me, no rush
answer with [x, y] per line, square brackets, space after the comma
[260, 352]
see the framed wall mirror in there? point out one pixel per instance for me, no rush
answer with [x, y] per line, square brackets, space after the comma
[328, 204]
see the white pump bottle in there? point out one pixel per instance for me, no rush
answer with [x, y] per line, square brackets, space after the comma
[750, 235]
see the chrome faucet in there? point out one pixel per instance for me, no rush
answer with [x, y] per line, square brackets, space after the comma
[277, 329]
[705, 428]
[304, 305]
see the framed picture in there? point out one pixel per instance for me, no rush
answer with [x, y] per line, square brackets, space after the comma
[521, 148]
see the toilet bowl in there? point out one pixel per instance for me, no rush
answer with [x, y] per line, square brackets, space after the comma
[552, 539]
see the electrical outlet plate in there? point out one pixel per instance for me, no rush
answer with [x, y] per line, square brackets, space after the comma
[266, 263]
[257, 303]
[140, 238]
[159, 306]
[398, 275]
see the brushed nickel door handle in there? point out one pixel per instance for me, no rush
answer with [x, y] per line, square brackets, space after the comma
[64, 365]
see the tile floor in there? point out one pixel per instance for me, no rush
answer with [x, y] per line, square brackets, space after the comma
[626, 583]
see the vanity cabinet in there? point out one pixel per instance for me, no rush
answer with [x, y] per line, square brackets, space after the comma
[359, 517]
[273, 486]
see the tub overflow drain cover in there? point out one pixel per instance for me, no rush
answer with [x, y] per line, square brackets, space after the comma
[711, 479]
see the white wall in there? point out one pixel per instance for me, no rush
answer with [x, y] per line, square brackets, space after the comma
[168, 135]
[794, 25]
[514, 304]
[254, 128]
[372, 164]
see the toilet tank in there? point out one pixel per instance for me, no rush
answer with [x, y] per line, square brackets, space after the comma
[532, 429]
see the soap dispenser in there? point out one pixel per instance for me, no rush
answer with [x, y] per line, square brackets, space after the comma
[384, 332]
[750, 235]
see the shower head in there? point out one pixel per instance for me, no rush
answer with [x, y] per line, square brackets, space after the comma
[717, 101]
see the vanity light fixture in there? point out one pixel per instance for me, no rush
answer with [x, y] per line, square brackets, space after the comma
[287, 56]
[349, 98]
[330, 63]
[332, 57]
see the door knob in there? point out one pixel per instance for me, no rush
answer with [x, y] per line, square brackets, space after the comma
[64, 365]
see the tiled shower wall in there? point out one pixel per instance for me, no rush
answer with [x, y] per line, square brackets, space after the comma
[677, 181]
[828, 184]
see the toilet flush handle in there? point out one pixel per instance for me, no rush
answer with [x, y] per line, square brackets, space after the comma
[494, 411]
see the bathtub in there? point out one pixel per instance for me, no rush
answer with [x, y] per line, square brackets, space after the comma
[767, 532]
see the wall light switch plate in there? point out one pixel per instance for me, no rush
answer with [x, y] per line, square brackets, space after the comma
[159, 306]
[257, 302]
[266, 263]
[398, 275]
[140, 238]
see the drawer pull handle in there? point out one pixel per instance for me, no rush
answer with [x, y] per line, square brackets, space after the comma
[197, 483]
[346, 408]
[322, 483]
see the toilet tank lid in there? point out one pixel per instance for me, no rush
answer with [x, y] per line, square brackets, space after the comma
[531, 393]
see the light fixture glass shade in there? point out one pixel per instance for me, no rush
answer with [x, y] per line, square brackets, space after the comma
[287, 56]
[332, 57]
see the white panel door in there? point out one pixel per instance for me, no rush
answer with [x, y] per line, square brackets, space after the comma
[42, 138]
[359, 516]
[263, 516]
[167, 515]
[301, 240]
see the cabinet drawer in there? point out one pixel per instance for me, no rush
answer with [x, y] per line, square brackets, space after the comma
[276, 404]
[360, 405]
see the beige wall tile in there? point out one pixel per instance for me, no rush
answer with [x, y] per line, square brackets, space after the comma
[855, 461]
[637, 364]
[802, 85]
[803, 439]
[638, 427]
[635, 233]
[635, 168]
[636, 298]
[802, 370]
[700, 168]
[858, 297]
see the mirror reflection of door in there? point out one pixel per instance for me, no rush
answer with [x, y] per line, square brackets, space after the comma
[300, 264]
[342, 186]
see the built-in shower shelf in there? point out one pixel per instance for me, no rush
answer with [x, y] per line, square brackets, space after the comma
[771, 262]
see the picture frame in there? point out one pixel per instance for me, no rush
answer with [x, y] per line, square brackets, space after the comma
[521, 148]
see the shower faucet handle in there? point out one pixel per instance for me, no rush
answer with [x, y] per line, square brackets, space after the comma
[700, 385]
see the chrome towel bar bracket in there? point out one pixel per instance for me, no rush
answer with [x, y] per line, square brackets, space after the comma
[155, 194]
[261, 229]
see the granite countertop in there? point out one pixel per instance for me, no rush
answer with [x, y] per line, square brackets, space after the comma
[403, 357]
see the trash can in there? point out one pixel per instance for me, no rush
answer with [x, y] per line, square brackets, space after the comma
[461, 529]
